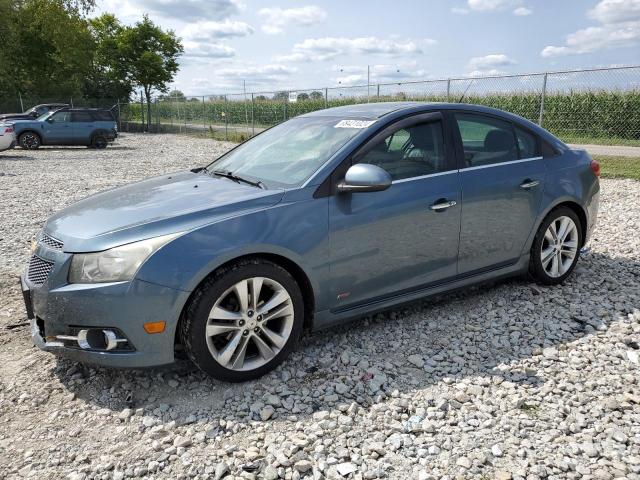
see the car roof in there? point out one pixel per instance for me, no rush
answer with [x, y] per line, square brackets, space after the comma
[364, 110]
[376, 110]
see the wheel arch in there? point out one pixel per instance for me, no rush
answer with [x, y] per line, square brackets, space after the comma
[31, 130]
[293, 268]
[570, 203]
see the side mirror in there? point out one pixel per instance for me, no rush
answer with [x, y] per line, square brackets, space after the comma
[364, 177]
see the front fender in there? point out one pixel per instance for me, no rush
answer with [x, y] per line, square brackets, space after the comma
[297, 231]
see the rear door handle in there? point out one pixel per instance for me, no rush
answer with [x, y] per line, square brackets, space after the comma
[442, 205]
[527, 184]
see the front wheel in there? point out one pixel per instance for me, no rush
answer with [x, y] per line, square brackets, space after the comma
[29, 140]
[556, 247]
[243, 321]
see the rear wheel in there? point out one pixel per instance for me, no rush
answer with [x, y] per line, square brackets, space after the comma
[29, 140]
[555, 249]
[243, 321]
[99, 142]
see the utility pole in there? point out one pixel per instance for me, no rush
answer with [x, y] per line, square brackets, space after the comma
[368, 81]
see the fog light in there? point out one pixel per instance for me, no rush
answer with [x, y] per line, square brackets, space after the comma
[155, 327]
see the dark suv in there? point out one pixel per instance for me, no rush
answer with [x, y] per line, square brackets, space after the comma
[68, 126]
[33, 112]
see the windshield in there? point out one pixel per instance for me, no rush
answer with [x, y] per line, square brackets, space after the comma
[44, 116]
[288, 154]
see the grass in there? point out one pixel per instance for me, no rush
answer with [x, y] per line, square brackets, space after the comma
[619, 167]
[586, 140]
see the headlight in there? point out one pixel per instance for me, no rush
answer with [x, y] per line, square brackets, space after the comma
[115, 265]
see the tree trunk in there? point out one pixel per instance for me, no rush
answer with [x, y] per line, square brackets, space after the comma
[147, 93]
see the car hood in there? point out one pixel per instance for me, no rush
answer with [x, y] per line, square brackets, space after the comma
[157, 206]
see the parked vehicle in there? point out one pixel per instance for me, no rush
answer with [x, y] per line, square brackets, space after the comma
[331, 215]
[68, 126]
[33, 112]
[7, 137]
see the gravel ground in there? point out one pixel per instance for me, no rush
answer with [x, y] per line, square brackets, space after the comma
[505, 381]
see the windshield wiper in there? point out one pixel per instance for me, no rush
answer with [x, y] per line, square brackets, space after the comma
[237, 178]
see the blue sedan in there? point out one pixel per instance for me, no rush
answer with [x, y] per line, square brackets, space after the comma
[327, 217]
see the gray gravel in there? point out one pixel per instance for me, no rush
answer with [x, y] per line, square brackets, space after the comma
[506, 381]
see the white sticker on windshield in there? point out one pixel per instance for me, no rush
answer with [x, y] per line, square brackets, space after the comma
[354, 123]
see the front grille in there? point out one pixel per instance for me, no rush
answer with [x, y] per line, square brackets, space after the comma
[39, 270]
[50, 241]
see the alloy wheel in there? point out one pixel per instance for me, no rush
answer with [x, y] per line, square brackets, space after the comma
[249, 324]
[30, 141]
[559, 246]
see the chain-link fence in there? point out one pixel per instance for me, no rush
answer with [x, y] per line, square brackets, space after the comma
[599, 106]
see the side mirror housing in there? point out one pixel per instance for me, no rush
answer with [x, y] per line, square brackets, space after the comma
[364, 177]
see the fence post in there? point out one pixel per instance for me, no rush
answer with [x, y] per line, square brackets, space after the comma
[326, 98]
[378, 92]
[542, 97]
[157, 116]
[284, 106]
[226, 121]
[253, 121]
[119, 118]
[141, 112]
[204, 114]
[448, 88]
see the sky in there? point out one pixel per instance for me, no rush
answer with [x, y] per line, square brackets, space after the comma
[294, 45]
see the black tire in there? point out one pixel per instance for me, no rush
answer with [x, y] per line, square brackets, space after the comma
[536, 268]
[29, 140]
[99, 141]
[194, 321]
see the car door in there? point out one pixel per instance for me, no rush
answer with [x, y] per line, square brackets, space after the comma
[83, 125]
[403, 238]
[57, 129]
[502, 176]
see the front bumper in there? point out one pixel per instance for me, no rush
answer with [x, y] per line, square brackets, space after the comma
[58, 309]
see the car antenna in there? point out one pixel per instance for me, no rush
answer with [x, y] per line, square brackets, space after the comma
[465, 91]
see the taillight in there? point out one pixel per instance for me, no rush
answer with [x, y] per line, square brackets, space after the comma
[8, 130]
[595, 166]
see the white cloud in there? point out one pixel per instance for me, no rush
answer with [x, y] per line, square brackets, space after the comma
[258, 73]
[522, 11]
[490, 61]
[206, 31]
[357, 75]
[492, 5]
[615, 11]
[276, 19]
[486, 73]
[184, 10]
[207, 50]
[619, 27]
[329, 47]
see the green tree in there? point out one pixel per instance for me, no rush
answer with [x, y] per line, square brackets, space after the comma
[108, 77]
[49, 48]
[150, 57]
[316, 95]
[302, 96]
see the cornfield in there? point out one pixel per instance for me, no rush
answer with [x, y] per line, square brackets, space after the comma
[599, 117]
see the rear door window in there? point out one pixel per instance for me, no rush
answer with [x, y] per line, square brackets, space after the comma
[486, 140]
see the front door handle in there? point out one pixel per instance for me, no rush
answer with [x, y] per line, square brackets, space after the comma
[438, 207]
[527, 184]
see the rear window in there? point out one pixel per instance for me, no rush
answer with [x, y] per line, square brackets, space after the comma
[81, 117]
[103, 116]
[527, 143]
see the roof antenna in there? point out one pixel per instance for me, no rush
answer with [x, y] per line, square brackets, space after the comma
[465, 92]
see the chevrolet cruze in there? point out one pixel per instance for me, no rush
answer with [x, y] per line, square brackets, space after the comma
[328, 216]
